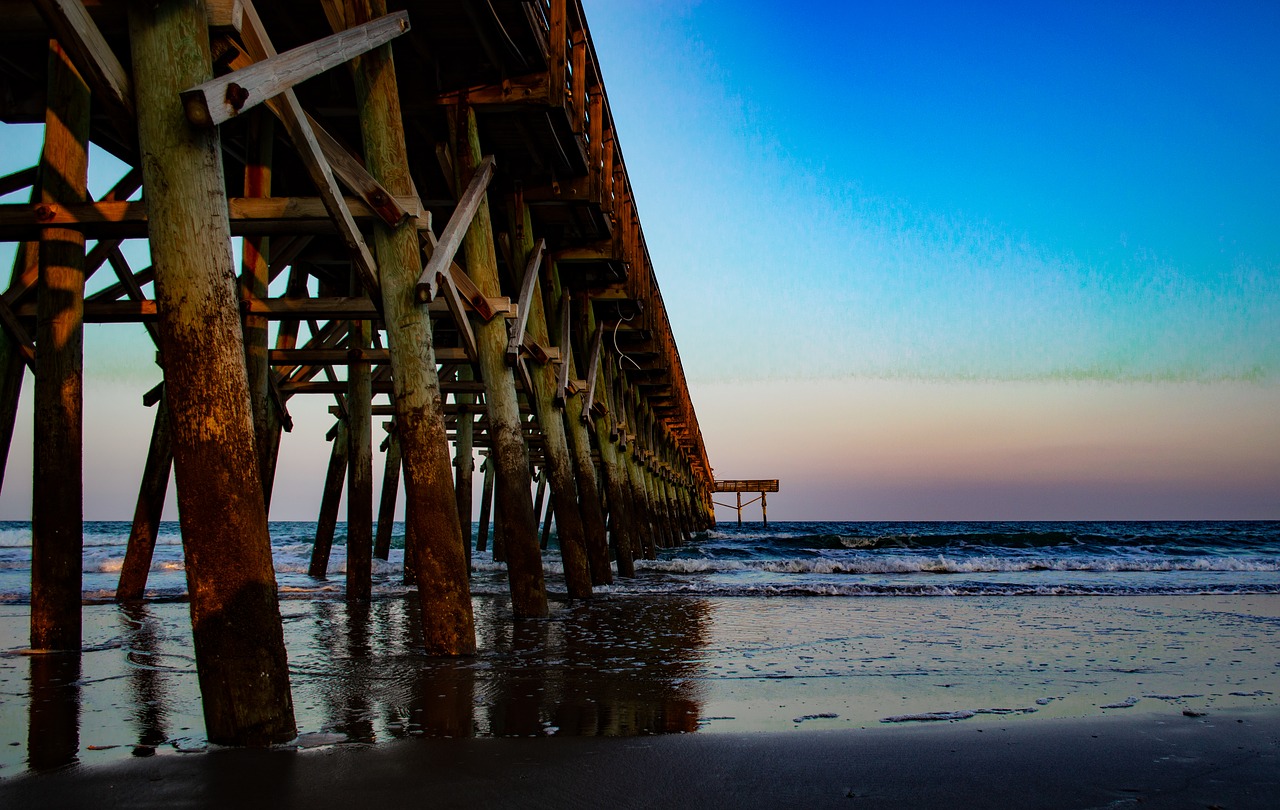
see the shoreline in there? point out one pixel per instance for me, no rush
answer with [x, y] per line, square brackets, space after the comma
[1227, 759]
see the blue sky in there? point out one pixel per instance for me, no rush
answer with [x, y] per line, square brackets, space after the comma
[922, 260]
[934, 260]
[956, 190]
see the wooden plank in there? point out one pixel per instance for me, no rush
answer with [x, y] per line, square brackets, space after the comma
[225, 97]
[225, 14]
[557, 43]
[521, 322]
[18, 334]
[456, 229]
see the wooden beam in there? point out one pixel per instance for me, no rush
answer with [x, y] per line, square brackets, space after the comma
[225, 97]
[526, 297]
[117, 219]
[90, 53]
[456, 229]
[593, 369]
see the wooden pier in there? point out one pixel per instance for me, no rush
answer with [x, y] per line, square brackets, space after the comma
[761, 486]
[438, 229]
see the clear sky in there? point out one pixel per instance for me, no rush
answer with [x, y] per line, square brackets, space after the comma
[980, 260]
[923, 260]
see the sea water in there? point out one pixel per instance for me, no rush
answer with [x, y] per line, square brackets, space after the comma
[782, 559]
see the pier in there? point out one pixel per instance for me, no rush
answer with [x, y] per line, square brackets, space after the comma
[759, 486]
[438, 236]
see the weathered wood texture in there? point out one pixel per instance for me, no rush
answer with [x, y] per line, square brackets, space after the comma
[146, 514]
[433, 535]
[57, 485]
[239, 644]
[508, 450]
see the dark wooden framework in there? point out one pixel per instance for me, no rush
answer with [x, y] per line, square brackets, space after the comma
[449, 177]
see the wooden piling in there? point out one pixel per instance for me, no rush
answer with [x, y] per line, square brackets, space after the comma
[387, 503]
[584, 468]
[254, 278]
[239, 643]
[359, 461]
[486, 505]
[330, 501]
[57, 485]
[506, 438]
[557, 464]
[433, 535]
[147, 513]
[463, 458]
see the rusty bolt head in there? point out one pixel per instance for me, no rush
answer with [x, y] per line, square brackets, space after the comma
[236, 95]
[45, 213]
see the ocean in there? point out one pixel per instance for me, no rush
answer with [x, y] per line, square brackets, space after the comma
[831, 559]
[746, 629]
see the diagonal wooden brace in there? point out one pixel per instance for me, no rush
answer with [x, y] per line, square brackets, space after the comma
[451, 239]
[221, 99]
[593, 370]
[526, 298]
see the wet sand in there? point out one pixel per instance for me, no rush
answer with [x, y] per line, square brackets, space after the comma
[1230, 761]
[732, 702]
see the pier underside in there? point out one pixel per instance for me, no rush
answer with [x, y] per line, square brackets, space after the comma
[439, 237]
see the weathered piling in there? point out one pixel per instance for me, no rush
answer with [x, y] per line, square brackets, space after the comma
[432, 531]
[508, 451]
[359, 460]
[517, 132]
[557, 466]
[239, 645]
[57, 485]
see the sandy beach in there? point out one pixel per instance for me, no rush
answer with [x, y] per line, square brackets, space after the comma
[1074, 701]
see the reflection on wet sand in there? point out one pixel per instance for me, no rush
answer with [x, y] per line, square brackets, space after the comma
[599, 668]
[142, 640]
[53, 728]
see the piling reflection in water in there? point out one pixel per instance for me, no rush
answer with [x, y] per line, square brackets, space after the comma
[53, 729]
[599, 668]
[150, 692]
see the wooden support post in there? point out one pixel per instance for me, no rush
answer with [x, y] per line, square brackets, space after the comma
[330, 500]
[146, 515]
[546, 527]
[739, 508]
[239, 642]
[433, 536]
[486, 505]
[584, 468]
[255, 275]
[387, 505]
[538, 498]
[463, 461]
[57, 486]
[616, 483]
[558, 465]
[508, 451]
[359, 462]
[764, 508]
